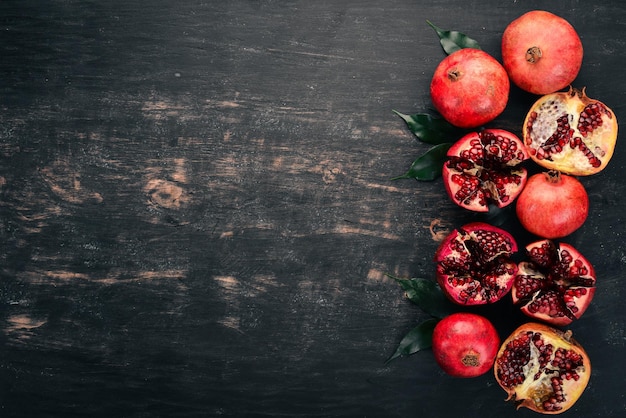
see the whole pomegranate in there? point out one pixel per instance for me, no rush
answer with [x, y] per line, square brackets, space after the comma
[552, 205]
[541, 52]
[569, 132]
[484, 168]
[542, 368]
[469, 88]
[465, 344]
[557, 284]
[474, 265]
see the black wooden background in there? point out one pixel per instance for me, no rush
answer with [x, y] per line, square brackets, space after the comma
[197, 214]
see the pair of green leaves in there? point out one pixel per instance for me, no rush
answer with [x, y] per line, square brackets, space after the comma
[431, 130]
[428, 296]
[434, 130]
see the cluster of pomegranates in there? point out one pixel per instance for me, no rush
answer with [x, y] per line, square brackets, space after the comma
[567, 134]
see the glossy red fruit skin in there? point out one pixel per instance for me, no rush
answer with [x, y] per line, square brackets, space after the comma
[465, 344]
[552, 205]
[541, 52]
[470, 273]
[469, 88]
[493, 169]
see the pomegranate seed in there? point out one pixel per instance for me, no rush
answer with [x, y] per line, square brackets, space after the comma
[590, 118]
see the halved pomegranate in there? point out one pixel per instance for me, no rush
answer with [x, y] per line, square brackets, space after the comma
[556, 285]
[542, 368]
[484, 168]
[571, 133]
[474, 265]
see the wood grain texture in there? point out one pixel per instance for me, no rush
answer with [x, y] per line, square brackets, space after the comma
[198, 216]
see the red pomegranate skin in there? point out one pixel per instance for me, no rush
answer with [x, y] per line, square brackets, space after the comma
[541, 52]
[552, 205]
[465, 344]
[469, 88]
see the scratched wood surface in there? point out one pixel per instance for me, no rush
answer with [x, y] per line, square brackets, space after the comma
[197, 211]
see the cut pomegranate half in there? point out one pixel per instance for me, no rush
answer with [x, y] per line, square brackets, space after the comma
[571, 133]
[542, 368]
[556, 285]
[483, 168]
[474, 265]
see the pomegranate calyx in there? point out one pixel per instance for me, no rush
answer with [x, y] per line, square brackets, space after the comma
[553, 176]
[455, 74]
[471, 359]
[534, 54]
[581, 93]
[567, 335]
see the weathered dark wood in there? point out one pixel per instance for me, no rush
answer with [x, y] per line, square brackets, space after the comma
[197, 212]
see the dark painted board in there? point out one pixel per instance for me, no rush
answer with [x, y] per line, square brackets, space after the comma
[197, 211]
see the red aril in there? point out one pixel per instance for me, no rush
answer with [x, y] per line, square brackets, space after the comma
[556, 285]
[483, 168]
[469, 88]
[465, 344]
[542, 368]
[541, 52]
[552, 205]
[474, 265]
[570, 132]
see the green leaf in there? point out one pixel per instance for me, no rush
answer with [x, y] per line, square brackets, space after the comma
[452, 41]
[429, 129]
[427, 295]
[428, 166]
[417, 339]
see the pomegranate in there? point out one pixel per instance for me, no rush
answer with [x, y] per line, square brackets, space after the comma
[469, 88]
[556, 285]
[569, 132]
[552, 205]
[474, 265]
[541, 52]
[465, 344]
[542, 368]
[484, 168]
